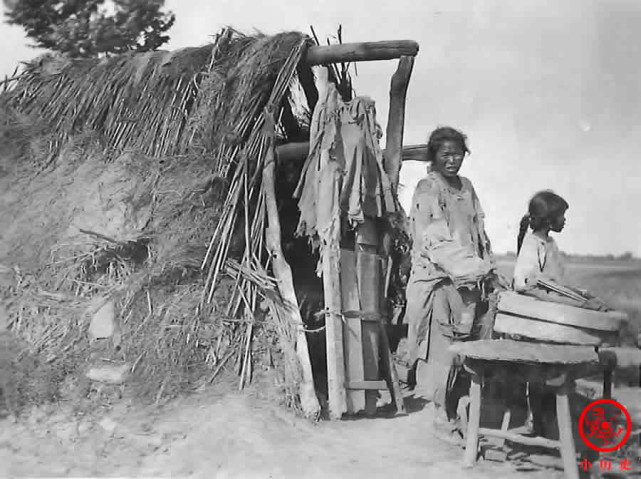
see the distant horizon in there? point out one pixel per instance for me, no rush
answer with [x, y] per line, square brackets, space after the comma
[582, 257]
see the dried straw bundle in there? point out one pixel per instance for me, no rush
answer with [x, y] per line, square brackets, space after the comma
[157, 102]
[132, 101]
[246, 199]
[243, 77]
[244, 196]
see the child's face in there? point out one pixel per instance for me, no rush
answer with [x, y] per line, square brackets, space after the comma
[558, 223]
[449, 159]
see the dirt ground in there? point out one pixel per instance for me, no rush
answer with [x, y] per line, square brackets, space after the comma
[225, 434]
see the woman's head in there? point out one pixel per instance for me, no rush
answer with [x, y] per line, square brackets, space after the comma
[546, 211]
[446, 149]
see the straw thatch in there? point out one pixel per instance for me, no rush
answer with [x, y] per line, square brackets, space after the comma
[188, 128]
[158, 103]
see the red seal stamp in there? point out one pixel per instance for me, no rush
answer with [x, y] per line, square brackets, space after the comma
[605, 425]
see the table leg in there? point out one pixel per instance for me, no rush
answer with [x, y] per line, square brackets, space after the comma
[505, 425]
[607, 384]
[568, 451]
[474, 421]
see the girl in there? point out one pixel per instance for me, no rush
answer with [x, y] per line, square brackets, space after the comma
[451, 274]
[539, 259]
[539, 270]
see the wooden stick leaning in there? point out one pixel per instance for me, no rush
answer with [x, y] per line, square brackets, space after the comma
[283, 274]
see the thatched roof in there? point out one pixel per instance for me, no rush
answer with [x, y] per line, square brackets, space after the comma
[159, 103]
[217, 111]
[213, 109]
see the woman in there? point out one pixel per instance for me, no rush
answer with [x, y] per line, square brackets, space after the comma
[451, 277]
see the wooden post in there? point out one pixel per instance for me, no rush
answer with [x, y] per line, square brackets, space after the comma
[334, 331]
[392, 382]
[330, 259]
[564, 419]
[352, 332]
[607, 384]
[360, 52]
[396, 119]
[369, 282]
[283, 273]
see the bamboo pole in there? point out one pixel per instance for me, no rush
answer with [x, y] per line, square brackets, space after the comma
[360, 52]
[396, 119]
[283, 274]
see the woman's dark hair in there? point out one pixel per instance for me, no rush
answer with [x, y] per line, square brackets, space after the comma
[543, 208]
[440, 136]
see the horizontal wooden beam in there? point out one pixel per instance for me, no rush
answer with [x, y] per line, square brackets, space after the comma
[360, 52]
[292, 151]
[299, 152]
[415, 153]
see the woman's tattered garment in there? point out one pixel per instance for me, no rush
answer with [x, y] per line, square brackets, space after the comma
[449, 248]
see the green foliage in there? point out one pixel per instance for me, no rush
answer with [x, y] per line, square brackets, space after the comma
[91, 28]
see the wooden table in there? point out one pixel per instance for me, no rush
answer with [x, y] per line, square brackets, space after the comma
[557, 365]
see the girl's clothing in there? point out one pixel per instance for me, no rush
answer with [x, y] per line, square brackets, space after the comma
[538, 259]
[541, 259]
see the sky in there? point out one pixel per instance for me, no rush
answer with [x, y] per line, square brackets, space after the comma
[548, 92]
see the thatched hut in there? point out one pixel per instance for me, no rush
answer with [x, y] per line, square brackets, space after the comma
[143, 205]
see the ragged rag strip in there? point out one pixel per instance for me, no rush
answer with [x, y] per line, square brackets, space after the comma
[344, 171]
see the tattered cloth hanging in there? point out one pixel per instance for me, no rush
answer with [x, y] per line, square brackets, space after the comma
[344, 170]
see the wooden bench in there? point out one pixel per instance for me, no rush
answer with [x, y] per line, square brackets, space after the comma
[557, 365]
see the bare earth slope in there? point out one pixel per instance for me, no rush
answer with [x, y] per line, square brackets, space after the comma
[230, 435]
